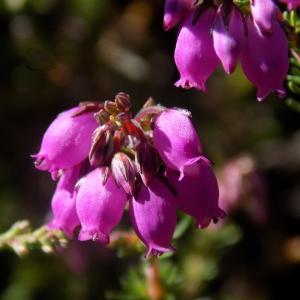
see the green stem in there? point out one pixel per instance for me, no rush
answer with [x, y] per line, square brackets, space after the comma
[21, 239]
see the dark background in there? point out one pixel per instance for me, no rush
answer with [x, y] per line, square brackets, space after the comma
[54, 54]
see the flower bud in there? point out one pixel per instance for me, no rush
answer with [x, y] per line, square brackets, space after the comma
[123, 116]
[197, 194]
[123, 102]
[100, 206]
[102, 116]
[228, 35]
[265, 59]
[66, 142]
[124, 172]
[153, 215]
[110, 107]
[102, 146]
[176, 140]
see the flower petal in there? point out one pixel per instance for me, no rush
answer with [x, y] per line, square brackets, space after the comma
[176, 140]
[265, 59]
[100, 206]
[197, 194]
[195, 56]
[153, 214]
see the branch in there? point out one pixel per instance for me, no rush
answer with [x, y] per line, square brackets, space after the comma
[21, 239]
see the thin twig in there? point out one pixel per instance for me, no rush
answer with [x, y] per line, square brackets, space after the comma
[155, 289]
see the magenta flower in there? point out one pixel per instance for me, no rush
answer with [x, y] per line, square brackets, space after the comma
[195, 56]
[291, 4]
[197, 194]
[265, 59]
[100, 204]
[175, 10]
[63, 202]
[264, 14]
[228, 36]
[153, 214]
[125, 158]
[176, 140]
[66, 142]
[198, 52]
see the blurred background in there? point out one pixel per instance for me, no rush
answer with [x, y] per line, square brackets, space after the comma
[56, 53]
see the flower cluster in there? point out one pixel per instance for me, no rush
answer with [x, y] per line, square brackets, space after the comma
[104, 158]
[215, 32]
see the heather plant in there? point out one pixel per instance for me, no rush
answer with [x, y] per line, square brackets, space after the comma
[142, 207]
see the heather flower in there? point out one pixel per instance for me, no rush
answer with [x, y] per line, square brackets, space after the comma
[66, 142]
[197, 193]
[153, 214]
[195, 56]
[175, 10]
[265, 59]
[176, 140]
[264, 14]
[127, 159]
[228, 36]
[100, 204]
[291, 4]
[63, 202]
[207, 37]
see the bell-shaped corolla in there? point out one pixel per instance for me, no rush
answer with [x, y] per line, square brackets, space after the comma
[195, 56]
[197, 194]
[66, 142]
[153, 215]
[100, 204]
[176, 139]
[63, 202]
[265, 59]
[229, 36]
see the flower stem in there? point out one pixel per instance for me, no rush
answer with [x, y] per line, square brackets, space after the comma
[155, 289]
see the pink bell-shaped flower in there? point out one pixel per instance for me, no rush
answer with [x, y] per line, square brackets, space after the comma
[63, 202]
[291, 4]
[100, 204]
[264, 14]
[176, 140]
[153, 214]
[66, 142]
[195, 56]
[228, 36]
[197, 194]
[175, 10]
[265, 59]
